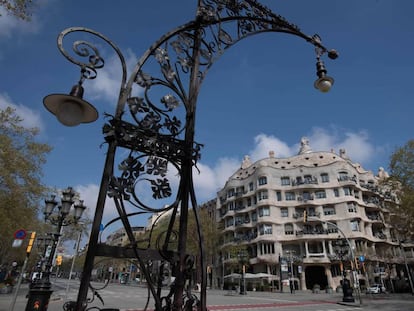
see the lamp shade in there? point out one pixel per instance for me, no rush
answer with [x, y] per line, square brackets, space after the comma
[71, 110]
[50, 206]
[324, 84]
[67, 194]
[65, 207]
[79, 209]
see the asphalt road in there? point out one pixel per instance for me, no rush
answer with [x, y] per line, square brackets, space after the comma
[132, 298]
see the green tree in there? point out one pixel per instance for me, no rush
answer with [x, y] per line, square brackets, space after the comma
[21, 160]
[21, 9]
[402, 182]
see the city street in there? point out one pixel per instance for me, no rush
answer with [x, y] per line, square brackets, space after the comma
[131, 298]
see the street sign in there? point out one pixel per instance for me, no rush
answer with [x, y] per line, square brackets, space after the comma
[20, 234]
[17, 243]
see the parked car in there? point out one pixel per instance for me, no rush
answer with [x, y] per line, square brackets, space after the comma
[376, 289]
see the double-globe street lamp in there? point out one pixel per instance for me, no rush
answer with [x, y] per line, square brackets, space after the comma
[158, 132]
[343, 250]
[39, 293]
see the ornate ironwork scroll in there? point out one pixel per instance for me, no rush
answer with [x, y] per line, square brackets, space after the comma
[156, 128]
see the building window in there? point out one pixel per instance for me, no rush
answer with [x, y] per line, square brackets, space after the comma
[239, 191]
[324, 177]
[229, 222]
[290, 196]
[321, 194]
[265, 229]
[308, 179]
[262, 195]
[307, 196]
[336, 192]
[262, 180]
[352, 207]
[239, 205]
[336, 270]
[254, 216]
[347, 191]
[355, 225]
[267, 248]
[332, 228]
[284, 212]
[230, 206]
[329, 210]
[285, 181]
[251, 186]
[343, 176]
[230, 193]
[279, 195]
[264, 211]
[249, 202]
[289, 229]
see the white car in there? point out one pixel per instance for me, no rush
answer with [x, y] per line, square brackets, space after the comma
[376, 289]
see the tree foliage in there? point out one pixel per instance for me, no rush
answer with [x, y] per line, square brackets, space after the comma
[21, 160]
[402, 181]
[208, 229]
[21, 9]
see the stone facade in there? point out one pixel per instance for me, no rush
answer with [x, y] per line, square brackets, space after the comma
[263, 207]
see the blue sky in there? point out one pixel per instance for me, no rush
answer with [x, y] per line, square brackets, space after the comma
[258, 97]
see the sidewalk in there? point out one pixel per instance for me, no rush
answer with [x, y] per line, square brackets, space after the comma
[55, 304]
[213, 297]
[222, 298]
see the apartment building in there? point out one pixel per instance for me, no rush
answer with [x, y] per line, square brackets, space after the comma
[121, 270]
[296, 217]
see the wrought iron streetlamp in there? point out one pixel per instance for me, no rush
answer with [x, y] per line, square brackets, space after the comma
[40, 291]
[157, 128]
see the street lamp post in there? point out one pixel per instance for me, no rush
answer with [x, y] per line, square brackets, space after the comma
[292, 275]
[243, 259]
[158, 132]
[43, 244]
[343, 249]
[39, 293]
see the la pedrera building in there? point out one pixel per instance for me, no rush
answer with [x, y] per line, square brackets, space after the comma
[308, 219]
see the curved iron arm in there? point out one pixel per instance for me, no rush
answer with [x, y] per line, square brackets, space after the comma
[162, 134]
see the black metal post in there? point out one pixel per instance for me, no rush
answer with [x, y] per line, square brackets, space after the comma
[40, 292]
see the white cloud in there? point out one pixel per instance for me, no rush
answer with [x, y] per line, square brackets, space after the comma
[356, 144]
[265, 143]
[211, 179]
[31, 118]
[107, 84]
[10, 25]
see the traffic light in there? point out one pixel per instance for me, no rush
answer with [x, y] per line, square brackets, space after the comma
[305, 216]
[31, 242]
[58, 260]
